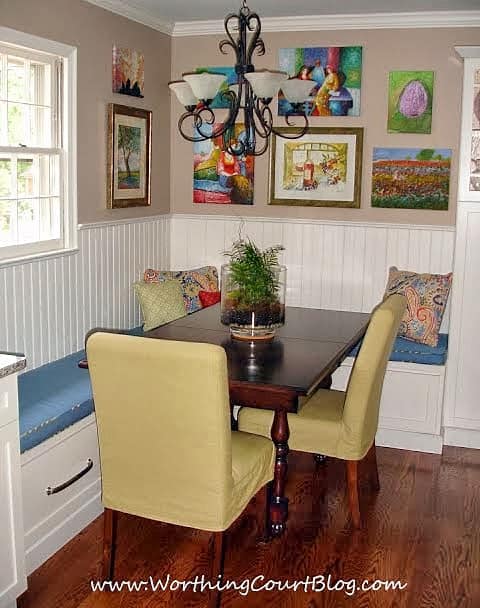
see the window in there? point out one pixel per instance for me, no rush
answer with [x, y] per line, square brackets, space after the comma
[36, 203]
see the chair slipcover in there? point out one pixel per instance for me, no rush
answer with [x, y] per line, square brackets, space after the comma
[334, 423]
[166, 449]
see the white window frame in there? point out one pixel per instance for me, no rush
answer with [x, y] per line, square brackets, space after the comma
[69, 230]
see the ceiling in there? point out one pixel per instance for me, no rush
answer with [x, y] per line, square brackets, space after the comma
[171, 12]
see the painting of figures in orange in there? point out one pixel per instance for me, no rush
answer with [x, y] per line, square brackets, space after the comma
[411, 178]
[219, 176]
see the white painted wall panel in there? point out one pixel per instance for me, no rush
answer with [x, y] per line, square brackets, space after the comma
[336, 265]
[461, 397]
[48, 305]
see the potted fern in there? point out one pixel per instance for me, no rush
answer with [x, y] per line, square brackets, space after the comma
[253, 291]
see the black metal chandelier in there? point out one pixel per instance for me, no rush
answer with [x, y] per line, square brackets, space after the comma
[252, 95]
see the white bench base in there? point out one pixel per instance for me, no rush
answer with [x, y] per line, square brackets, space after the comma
[411, 405]
[461, 438]
[51, 521]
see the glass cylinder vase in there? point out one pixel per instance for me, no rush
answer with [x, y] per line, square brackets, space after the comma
[253, 306]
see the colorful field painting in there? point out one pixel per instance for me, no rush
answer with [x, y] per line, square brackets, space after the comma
[219, 101]
[128, 72]
[410, 97]
[336, 75]
[219, 177]
[411, 178]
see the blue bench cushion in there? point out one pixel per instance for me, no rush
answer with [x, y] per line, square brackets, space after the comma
[412, 352]
[53, 397]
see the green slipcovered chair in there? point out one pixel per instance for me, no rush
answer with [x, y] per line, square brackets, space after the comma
[344, 424]
[166, 448]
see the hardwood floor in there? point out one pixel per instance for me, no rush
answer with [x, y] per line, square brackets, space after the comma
[422, 528]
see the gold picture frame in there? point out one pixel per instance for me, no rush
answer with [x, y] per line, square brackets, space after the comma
[323, 168]
[128, 156]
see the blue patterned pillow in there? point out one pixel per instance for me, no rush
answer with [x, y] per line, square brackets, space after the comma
[426, 300]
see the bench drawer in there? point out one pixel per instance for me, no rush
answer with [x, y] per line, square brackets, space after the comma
[60, 479]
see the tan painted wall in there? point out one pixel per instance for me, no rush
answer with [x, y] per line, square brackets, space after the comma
[94, 31]
[383, 50]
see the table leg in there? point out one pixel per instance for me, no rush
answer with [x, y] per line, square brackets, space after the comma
[279, 502]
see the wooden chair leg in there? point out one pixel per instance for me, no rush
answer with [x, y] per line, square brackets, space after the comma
[372, 458]
[263, 513]
[218, 558]
[109, 539]
[352, 485]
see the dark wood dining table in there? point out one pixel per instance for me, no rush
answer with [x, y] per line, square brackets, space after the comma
[273, 375]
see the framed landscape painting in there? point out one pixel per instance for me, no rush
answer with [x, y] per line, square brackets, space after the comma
[411, 178]
[320, 169]
[128, 157]
[220, 177]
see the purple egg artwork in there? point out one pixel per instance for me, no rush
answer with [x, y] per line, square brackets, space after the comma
[410, 97]
[413, 101]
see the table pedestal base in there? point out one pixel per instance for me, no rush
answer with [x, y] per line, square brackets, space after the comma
[279, 502]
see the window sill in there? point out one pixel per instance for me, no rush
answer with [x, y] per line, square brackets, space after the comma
[36, 257]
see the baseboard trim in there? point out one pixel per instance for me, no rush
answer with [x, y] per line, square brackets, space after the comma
[406, 440]
[59, 535]
[461, 438]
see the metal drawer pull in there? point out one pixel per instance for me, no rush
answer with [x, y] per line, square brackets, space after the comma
[75, 478]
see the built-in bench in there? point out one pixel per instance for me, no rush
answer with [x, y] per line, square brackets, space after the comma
[59, 440]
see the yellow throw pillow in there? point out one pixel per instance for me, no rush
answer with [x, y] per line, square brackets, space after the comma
[160, 302]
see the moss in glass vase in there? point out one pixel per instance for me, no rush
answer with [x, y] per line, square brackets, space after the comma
[252, 288]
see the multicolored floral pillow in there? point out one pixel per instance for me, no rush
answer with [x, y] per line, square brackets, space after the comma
[192, 282]
[426, 300]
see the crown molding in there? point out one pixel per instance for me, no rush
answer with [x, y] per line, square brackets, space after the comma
[307, 23]
[135, 13]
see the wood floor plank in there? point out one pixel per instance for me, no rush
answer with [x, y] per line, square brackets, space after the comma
[421, 528]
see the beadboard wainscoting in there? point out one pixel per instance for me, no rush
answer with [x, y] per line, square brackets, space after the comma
[336, 265]
[48, 305]
[343, 266]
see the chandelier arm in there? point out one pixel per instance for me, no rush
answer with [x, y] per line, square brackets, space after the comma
[263, 118]
[256, 43]
[302, 129]
[231, 42]
[197, 122]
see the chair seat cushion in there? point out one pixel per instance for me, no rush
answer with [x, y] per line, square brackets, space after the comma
[253, 459]
[51, 398]
[413, 352]
[316, 427]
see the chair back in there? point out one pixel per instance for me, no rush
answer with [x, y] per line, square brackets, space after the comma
[362, 402]
[163, 420]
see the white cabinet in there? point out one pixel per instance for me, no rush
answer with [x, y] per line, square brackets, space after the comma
[12, 559]
[462, 385]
